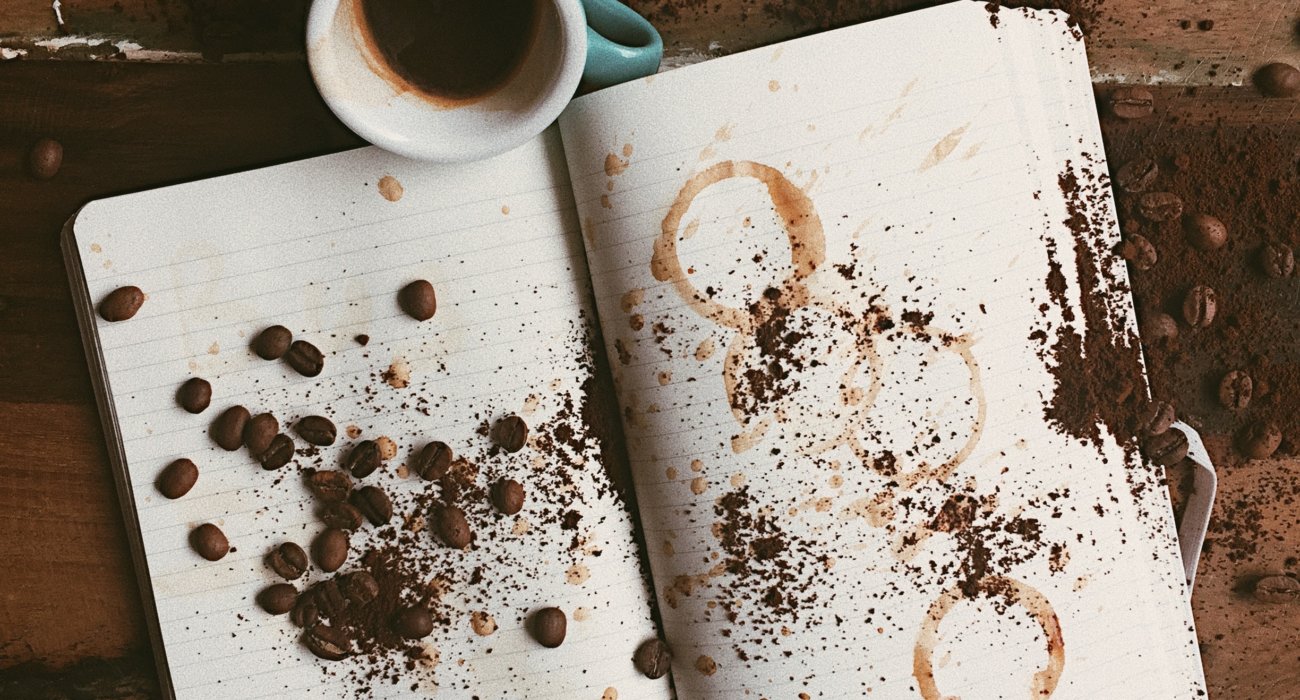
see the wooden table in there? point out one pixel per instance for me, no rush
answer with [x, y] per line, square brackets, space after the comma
[149, 92]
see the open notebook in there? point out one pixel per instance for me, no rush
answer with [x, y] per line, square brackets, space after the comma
[816, 268]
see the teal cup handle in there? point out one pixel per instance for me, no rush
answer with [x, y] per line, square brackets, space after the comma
[621, 44]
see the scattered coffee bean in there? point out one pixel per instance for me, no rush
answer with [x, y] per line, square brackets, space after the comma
[330, 486]
[1260, 439]
[1277, 259]
[278, 598]
[549, 625]
[433, 461]
[330, 549]
[194, 395]
[1160, 206]
[451, 526]
[363, 460]
[1205, 232]
[1158, 326]
[305, 613]
[1235, 390]
[653, 659]
[120, 304]
[228, 429]
[209, 541]
[318, 430]
[1277, 589]
[273, 342]
[413, 623]
[327, 642]
[330, 602]
[1137, 175]
[418, 300]
[305, 358]
[45, 159]
[258, 433]
[511, 433]
[1155, 417]
[508, 496]
[278, 453]
[343, 516]
[177, 478]
[374, 504]
[1167, 448]
[1139, 251]
[1278, 80]
[1199, 306]
[1131, 102]
[359, 587]
[287, 560]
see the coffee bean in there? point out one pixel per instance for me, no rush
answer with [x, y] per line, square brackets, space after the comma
[1158, 326]
[508, 496]
[194, 395]
[340, 515]
[359, 587]
[288, 560]
[1137, 175]
[363, 460]
[451, 526]
[327, 642]
[433, 461]
[1260, 439]
[1155, 417]
[1277, 589]
[549, 626]
[418, 300]
[278, 453]
[228, 429]
[1199, 306]
[273, 342]
[1235, 390]
[330, 602]
[305, 613]
[414, 622]
[374, 504]
[330, 486]
[278, 598]
[511, 433]
[305, 358]
[177, 478]
[1131, 102]
[258, 433]
[1278, 80]
[1205, 232]
[1167, 448]
[330, 549]
[1139, 251]
[318, 430]
[45, 159]
[120, 304]
[1160, 206]
[652, 658]
[209, 541]
[1277, 259]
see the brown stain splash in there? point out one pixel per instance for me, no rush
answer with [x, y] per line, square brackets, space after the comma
[943, 148]
[390, 188]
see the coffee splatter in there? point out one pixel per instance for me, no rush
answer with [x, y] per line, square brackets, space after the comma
[390, 188]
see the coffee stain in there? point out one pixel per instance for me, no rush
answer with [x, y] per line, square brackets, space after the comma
[707, 153]
[706, 665]
[724, 132]
[699, 485]
[614, 165]
[604, 202]
[877, 510]
[636, 322]
[505, 209]
[665, 378]
[581, 614]
[214, 348]
[610, 693]
[776, 55]
[398, 374]
[972, 151]
[697, 465]
[627, 150]
[390, 188]
[773, 85]
[95, 248]
[577, 575]
[943, 148]
[108, 264]
[631, 299]
[705, 349]
[387, 448]
[530, 405]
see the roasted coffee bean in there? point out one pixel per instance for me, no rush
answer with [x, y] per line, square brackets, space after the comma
[329, 599]
[1260, 439]
[508, 496]
[343, 516]
[330, 486]
[305, 358]
[549, 626]
[121, 303]
[177, 478]
[45, 159]
[1160, 206]
[374, 504]
[1155, 417]
[273, 342]
[1158, 326]
[1131, 102]
[258, 433]
[318, 430]
[1137, 175]
[1277, 589]
[278, 598]
[1199, 306]
[330, 549]
[287, 560]
[359, 587]
[329, 643]
[450, 524]
[228, 429]
[209, 541]
[1235, 390]
[433, 461]
[363, 460]
[1139, 251]
[652, 658]
[1167, 448]
[511, 433]
[418, 300]
[1278, 80]
[278, 453]
[305, 613]
[194, 395]
[1277, 259]
[414, 622]
[1205, 232]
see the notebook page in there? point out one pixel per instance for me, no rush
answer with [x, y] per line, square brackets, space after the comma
[321, 246]
[818, 277]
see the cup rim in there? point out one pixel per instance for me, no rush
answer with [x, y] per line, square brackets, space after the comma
[470, 147]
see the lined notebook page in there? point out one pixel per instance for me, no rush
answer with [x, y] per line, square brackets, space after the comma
[818, 266]
[322, 246]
